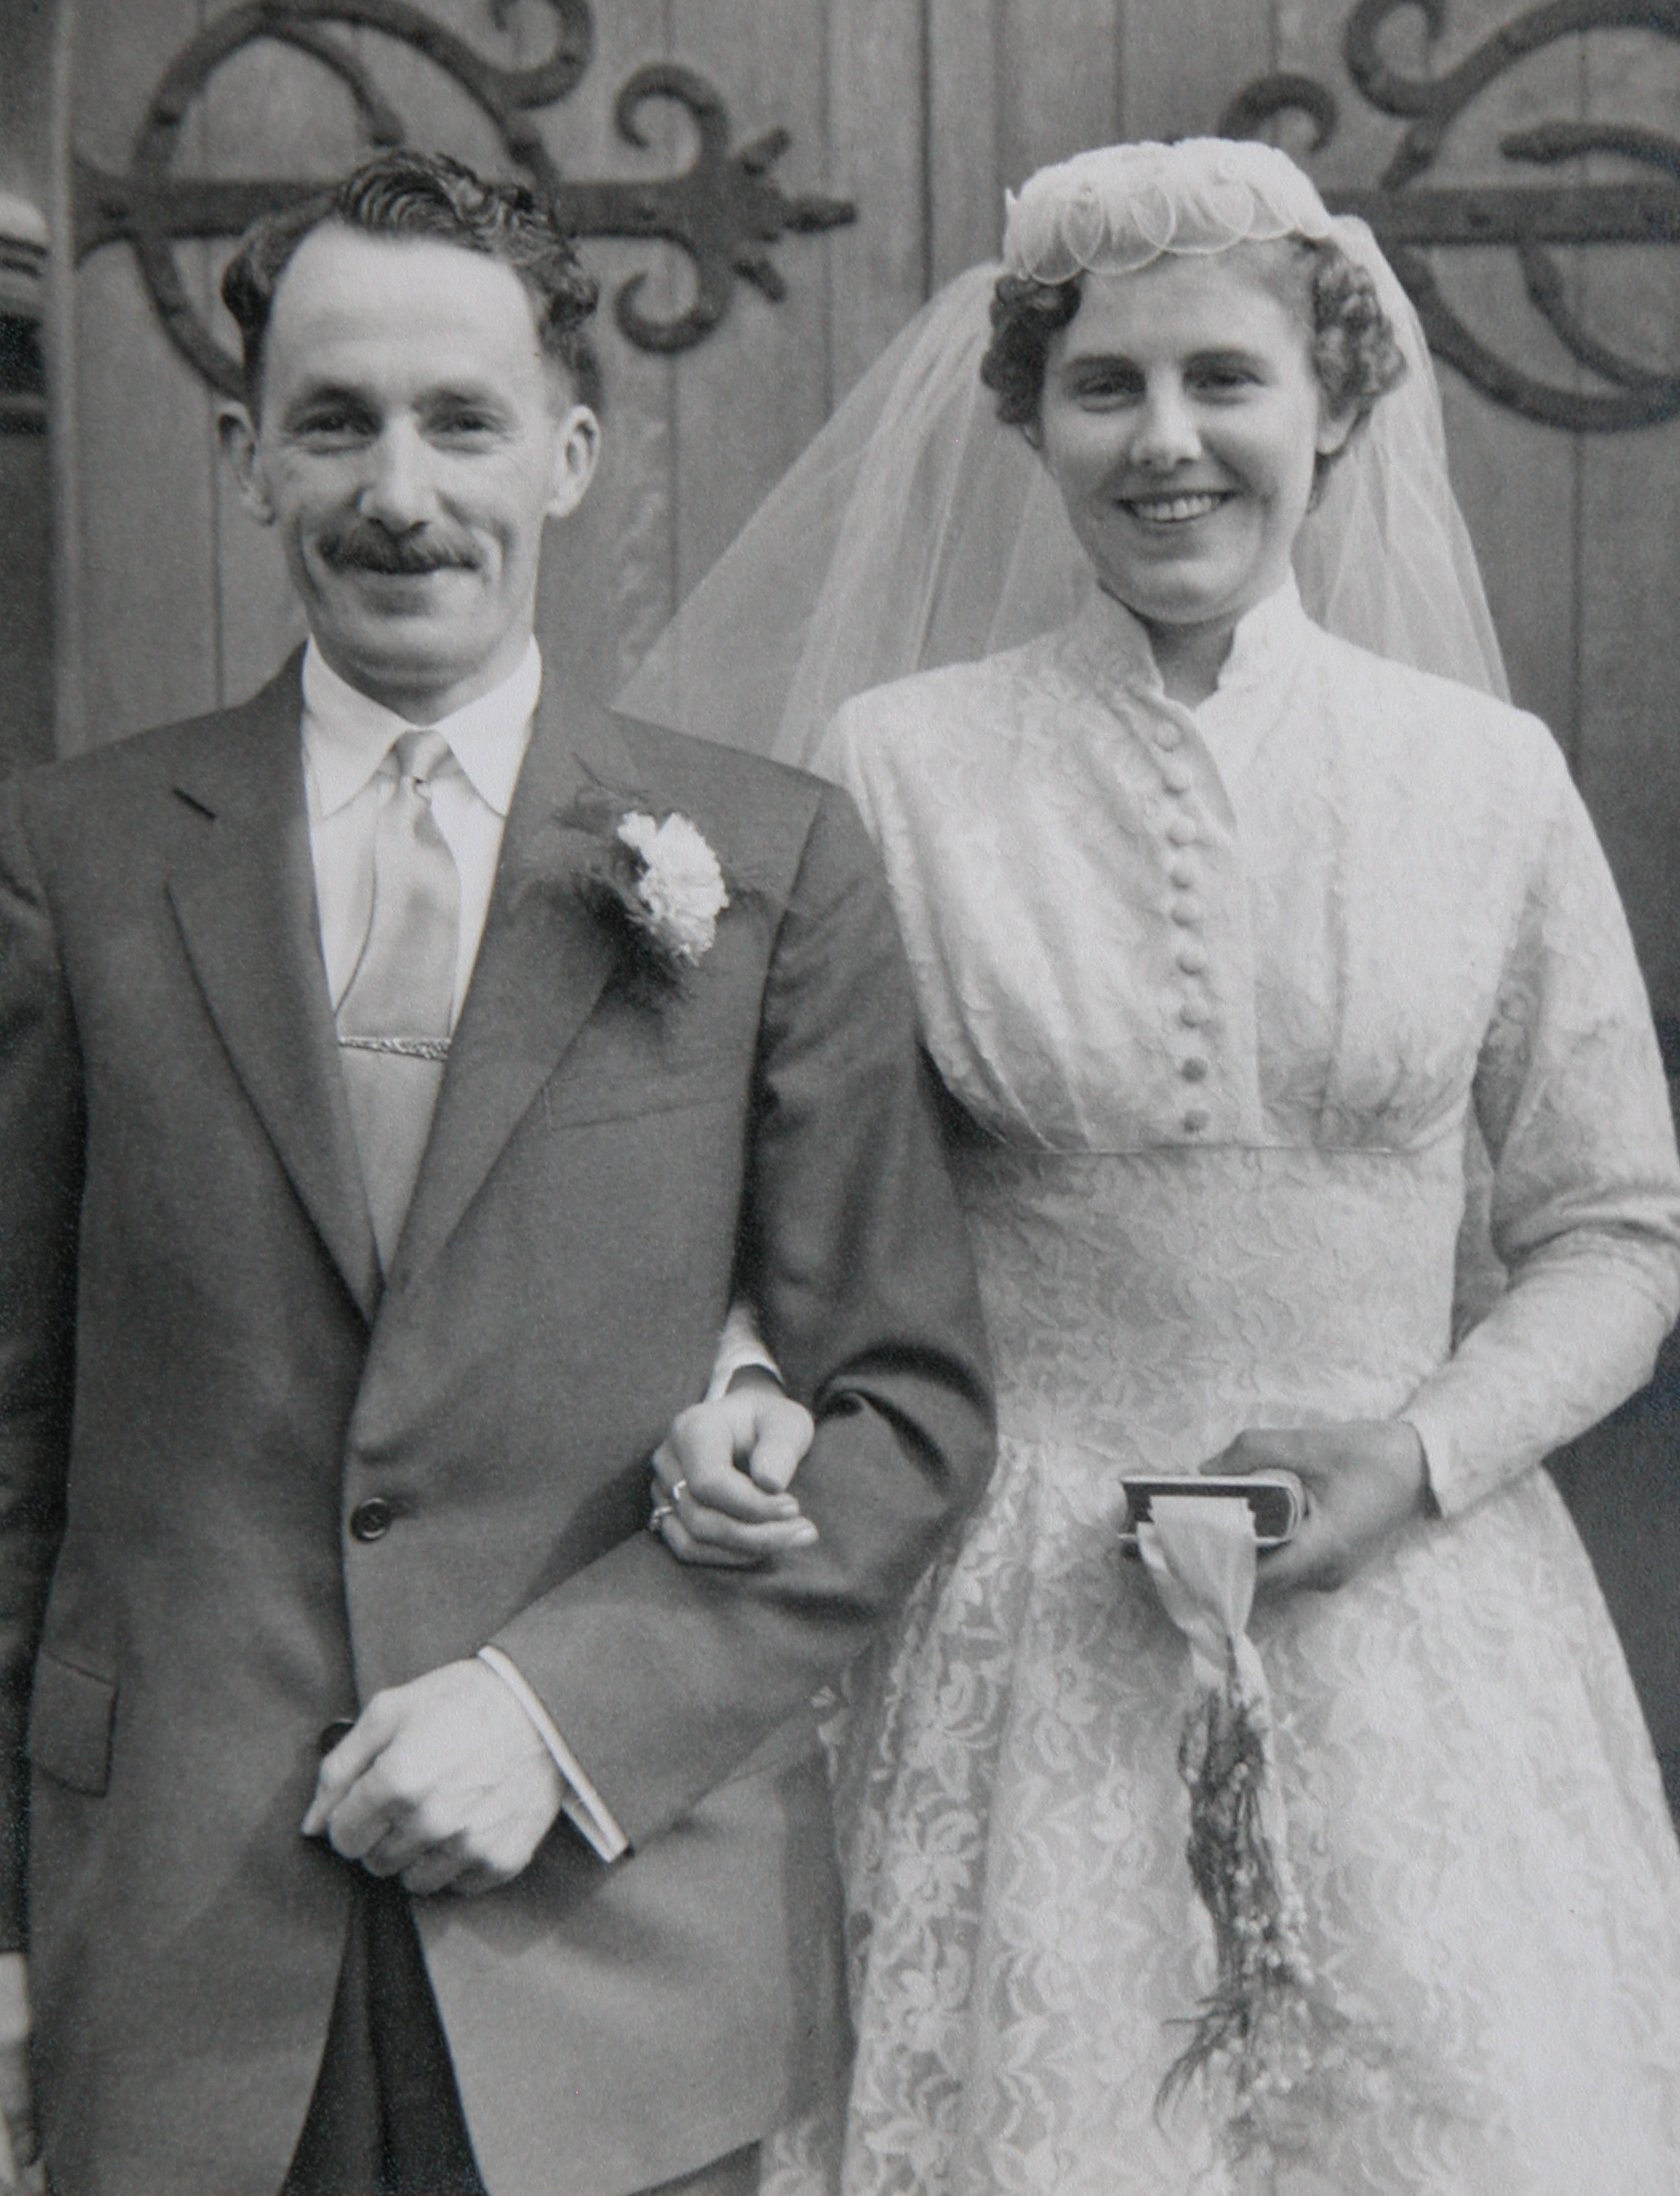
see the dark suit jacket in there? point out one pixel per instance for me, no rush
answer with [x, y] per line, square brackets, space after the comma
[201, 1381]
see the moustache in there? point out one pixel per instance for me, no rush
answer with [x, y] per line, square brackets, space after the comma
[374, 548]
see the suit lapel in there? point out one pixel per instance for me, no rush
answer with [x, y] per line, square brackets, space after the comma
[244, 901]
[540, 970]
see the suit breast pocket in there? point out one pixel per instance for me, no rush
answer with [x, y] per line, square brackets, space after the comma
[580, 1100]
[70, 1717]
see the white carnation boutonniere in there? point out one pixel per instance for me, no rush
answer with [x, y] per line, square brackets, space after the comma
[678, 887]
[657, 882]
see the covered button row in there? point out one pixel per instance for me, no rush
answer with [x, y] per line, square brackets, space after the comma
[1185, 911]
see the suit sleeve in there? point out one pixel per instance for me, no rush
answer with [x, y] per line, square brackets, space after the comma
[852, 1248]
[40, 1192]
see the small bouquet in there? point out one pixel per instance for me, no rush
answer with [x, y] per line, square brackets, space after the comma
[1286, 2065]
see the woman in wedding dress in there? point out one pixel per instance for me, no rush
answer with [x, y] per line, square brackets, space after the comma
[1245, 941]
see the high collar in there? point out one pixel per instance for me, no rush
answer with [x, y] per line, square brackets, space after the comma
[1112, 646]
[347, 735]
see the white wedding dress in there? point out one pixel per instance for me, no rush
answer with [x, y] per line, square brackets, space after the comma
[1224, 992]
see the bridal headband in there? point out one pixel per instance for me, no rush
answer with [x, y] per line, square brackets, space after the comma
[1117, 208]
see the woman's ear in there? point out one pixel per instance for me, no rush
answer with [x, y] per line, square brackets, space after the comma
[236, 431]
[1334, 428]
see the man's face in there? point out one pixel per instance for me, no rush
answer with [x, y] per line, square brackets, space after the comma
[410, 442]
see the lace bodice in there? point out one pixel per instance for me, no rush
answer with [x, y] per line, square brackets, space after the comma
[1342, 906]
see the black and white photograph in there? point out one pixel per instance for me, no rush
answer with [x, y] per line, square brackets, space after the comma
[840, 1010]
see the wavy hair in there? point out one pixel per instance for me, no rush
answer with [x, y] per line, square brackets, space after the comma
[416, 194]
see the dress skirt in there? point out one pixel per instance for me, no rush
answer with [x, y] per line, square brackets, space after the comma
[1475, 1818]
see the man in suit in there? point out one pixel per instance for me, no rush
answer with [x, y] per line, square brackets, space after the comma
[391, 1103]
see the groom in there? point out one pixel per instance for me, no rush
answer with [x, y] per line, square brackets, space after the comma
[399, 1075]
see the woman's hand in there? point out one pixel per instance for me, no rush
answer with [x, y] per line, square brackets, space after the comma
[1364, 1483]
[721, 1474]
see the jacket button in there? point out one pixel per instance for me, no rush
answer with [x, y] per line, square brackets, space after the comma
[371, 1520]
[331, 1733]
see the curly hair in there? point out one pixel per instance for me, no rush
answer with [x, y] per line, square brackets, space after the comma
[1025, 317]
[1355, 356]
[416, 194]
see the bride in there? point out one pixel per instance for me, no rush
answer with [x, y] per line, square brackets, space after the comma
[1245, 941]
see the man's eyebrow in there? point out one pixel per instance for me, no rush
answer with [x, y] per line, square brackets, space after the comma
[481, 392]
[325, 392]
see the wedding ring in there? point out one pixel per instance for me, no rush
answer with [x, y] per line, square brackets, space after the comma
[679, 1487]
[657, 1515]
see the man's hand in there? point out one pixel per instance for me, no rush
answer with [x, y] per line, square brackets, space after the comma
[21, 2172]
[1364, 1483]
[443, 1782]
[723, 1471]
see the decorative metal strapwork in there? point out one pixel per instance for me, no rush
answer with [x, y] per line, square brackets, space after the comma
[724, 210]
[1531, 217]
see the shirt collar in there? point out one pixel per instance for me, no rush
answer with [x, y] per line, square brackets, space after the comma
[347, 735]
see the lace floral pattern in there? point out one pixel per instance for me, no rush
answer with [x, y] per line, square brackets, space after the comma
[1401, 930]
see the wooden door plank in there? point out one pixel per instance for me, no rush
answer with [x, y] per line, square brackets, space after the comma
[967, 58]
[752, 393]
[1061, 81]
[1178, 78]
[1629, 754]
[876, 61]
[142, 619]
[609, 577]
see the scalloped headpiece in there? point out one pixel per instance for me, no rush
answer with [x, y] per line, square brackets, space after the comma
[1115, 209]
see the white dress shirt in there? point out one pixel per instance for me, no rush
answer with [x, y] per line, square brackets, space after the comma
[350, 772]
[349, 775]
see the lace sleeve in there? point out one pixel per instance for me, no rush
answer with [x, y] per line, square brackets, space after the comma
[1585, 1204]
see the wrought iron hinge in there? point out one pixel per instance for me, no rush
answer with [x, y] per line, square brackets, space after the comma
[725, 210]
[1533, 218]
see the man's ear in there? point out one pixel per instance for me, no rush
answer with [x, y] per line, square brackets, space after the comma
[577, 452]
[237, 432]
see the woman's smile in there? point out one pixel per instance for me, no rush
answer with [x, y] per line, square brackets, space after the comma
[1170, 510]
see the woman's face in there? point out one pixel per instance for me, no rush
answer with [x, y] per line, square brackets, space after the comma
[1182, 421]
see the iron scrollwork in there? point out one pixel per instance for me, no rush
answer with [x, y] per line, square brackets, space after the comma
[725, 210]
[1531, 217]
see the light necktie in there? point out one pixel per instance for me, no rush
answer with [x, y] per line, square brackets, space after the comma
[393, 1017]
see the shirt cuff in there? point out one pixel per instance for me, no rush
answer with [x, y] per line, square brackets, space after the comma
[581, 1803]
[14, 1998]
[740, 1347]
